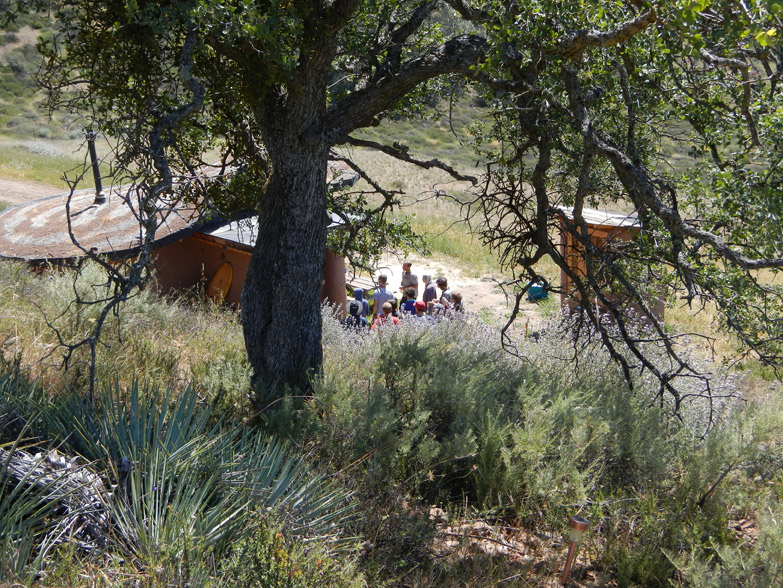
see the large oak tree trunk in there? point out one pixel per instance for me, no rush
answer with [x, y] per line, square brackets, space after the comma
[281, 314]
[281, 305]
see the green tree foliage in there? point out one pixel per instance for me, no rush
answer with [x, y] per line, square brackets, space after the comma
[589, 101]
[592, 101]
[273, 87]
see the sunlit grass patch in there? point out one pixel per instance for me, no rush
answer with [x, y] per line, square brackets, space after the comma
[708, 339]
[446, 237]
[446, 138]
[169, 343]
[36, 162]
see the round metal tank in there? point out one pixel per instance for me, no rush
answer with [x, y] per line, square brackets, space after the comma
[38, 230]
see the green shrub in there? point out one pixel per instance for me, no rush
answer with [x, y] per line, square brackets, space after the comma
[425, 407]
[751, 561]
[267, 560]
[445, 412]
[406, 417]
[443, 415]
[8, 38]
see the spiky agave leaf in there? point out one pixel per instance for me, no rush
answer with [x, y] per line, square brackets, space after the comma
[307, 505]
[168, 503]
[185, 484]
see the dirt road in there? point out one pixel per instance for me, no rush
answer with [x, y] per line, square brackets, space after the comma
[19, 191]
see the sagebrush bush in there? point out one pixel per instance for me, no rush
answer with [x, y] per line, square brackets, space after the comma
[442, 413]
[446, 411]
[752, 562]
[418, 399]
[438, 414]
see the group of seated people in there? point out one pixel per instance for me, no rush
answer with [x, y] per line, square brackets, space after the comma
[385, 309]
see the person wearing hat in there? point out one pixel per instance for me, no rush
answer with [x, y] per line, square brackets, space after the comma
[421, 311]
[358, 294]
[354, 320]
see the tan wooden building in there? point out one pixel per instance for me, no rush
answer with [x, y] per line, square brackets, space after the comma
[603, 228]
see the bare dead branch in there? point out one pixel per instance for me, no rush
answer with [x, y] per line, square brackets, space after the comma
[399, 151]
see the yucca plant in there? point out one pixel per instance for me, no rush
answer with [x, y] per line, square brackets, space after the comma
[40, 504]
[23, 513]
[184, 487]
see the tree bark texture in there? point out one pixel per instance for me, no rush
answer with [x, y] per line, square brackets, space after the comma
[281, 313]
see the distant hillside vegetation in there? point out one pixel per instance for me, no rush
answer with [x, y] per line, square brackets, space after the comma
[21, 114]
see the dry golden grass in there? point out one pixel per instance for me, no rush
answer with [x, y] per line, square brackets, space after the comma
[419, 184]
[156, 342]
[714, 343]
[431, 200]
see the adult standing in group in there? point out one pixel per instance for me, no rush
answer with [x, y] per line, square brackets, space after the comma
[380, 296]
[445, 292]
[409, 279]
[430, 292]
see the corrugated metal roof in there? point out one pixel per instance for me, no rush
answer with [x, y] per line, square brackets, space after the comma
[38, 230]
[245, 231]
[604, 217]
[242, 232]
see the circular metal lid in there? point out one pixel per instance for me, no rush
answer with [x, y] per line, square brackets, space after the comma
[38, 230]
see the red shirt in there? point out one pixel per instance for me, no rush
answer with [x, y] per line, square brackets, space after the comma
[384, 319]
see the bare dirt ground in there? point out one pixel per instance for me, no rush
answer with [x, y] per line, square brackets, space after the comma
[19, 191]
[530, 559]
[482, 295]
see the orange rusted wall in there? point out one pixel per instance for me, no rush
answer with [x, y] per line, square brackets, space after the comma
[194, 260]
[334, 281]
